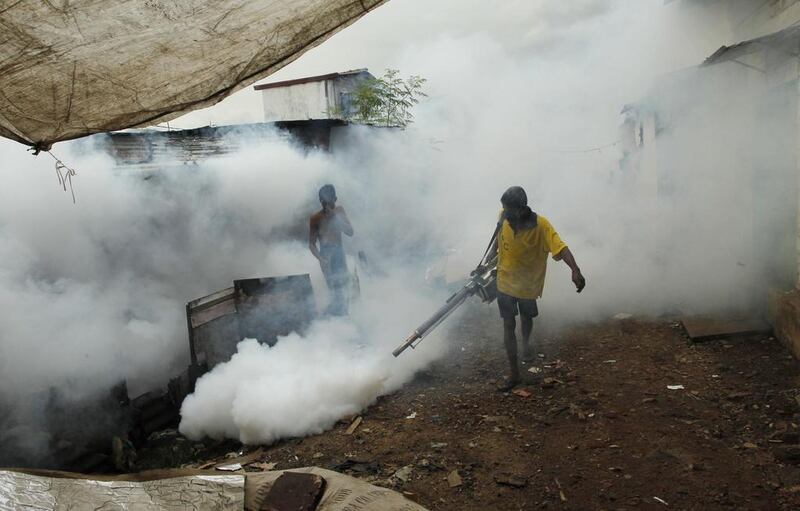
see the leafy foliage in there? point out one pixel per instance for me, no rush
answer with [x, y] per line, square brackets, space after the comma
[386, 101]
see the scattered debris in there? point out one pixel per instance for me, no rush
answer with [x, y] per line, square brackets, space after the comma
[549, 383]
[611, 361]
[512, 480]
[577, 411]
[357, 465]
[412, 416]
[661, 501]
[453, 479]
[463, 411]
[263, 466]
[534, 370]
[676, 387]
[233, 467]
[787, 453]
[560, 491]
[404, 474]
[354, 425]
[521, 393]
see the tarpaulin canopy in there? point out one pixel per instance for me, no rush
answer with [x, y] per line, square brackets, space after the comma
[70, 68]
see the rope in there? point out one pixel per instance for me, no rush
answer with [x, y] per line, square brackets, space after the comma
[590, 150]
[64, 174]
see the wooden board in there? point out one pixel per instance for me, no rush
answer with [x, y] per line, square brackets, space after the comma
[703, 328]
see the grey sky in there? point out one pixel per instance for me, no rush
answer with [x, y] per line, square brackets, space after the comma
[397, 34]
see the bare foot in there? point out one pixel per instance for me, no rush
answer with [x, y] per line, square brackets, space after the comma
[508, 384]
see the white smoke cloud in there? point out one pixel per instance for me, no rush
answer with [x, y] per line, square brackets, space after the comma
[304, 384]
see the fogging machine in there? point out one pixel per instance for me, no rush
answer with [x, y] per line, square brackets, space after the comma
[482, 282]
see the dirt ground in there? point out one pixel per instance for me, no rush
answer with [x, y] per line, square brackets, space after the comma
[600, 429]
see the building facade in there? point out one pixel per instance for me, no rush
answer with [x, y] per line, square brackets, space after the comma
[716, 146]
[324, 97]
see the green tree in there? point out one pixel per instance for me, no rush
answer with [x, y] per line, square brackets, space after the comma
[386, 101]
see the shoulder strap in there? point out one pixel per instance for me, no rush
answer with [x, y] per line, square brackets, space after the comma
[494, 237]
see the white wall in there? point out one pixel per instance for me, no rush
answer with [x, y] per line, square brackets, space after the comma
[297, 102]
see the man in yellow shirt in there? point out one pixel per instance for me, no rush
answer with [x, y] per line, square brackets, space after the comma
[523, 242]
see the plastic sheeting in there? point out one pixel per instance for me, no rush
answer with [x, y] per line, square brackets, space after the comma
[180, 489]
[70, 68]
[19, 491]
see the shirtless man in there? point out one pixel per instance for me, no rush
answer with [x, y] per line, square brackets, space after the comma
[325, 242]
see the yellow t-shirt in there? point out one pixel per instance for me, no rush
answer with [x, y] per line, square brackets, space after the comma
[522, 258]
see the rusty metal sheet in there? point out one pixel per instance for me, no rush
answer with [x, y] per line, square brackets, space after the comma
[293, 491]
[703, 328]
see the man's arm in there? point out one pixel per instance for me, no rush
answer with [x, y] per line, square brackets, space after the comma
[569, 259]
[313, 235]
[347, 228]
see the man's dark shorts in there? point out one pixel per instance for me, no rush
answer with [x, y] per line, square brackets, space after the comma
[510, 306]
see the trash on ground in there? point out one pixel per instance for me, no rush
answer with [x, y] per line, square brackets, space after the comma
[263, 465]
[233, 467]
[453, 479]
[404, 474]
[560, 491]
[354, 425]
[512, 480]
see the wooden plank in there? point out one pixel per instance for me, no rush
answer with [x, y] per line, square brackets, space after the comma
[203, 316]
[354, 425]
[703, 328]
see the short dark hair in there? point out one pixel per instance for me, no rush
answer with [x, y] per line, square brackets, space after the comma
[514, 197]
[327, 193]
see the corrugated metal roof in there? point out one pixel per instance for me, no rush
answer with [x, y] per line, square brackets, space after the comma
[309, 79]
[786, 41]
[151, 150]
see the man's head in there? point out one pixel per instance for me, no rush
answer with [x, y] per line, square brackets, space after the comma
[327, 196]
[515, 203]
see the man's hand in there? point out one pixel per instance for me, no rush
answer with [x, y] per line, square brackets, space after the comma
[578, 280]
